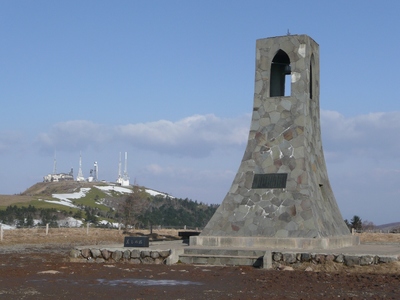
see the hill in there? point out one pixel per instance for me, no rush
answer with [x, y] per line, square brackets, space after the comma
[102, 203]
[61, 187]
[390, 227]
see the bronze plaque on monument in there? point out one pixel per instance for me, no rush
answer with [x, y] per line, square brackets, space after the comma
[269, 181]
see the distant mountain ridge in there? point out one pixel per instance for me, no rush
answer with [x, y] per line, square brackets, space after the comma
[389, 227]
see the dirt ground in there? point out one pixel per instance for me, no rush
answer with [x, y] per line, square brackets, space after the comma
[38, 268]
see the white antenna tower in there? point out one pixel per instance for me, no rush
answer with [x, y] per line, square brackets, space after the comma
[125, 179]
[80, 174]
[55, 164]
[95, 171]
[119, 179]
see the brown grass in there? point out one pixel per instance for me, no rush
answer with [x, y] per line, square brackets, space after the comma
[383, 238]
[6, 200]
[74, 236]
[102, 236]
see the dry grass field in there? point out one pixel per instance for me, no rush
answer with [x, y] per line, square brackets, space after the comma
[6, 200]
[383, 238]
[77, 236]
[98, 236]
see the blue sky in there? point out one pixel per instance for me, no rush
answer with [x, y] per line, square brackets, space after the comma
[172, 83]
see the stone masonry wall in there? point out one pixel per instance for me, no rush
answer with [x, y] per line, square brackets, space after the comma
[346, 259]
[134, 256]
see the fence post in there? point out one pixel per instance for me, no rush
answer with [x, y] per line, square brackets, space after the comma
[87, 228]
[47, 228]
[1, 232]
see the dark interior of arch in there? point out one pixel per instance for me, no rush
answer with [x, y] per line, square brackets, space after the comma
[311, 76]
[280, 67]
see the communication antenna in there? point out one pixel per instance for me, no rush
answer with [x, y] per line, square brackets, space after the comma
[95, 171]
[119, 178]
[125, 179]
[126, 166]
[55, 164]
[80, 173]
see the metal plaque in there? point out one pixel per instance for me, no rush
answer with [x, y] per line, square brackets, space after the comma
[269, 181]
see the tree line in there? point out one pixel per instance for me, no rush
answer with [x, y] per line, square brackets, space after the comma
[139, 210]
[24, 216]
[358, 224]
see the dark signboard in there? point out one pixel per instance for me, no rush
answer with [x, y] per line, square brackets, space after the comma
[269, 181]
[136, 241]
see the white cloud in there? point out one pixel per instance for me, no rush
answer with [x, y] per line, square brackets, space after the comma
[195, 136]
[75, 135]
[362, 154]
[374, 135]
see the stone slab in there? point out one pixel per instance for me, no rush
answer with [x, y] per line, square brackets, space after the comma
[275, 243]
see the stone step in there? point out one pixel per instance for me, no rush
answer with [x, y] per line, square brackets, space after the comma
[224, 252]
[221, 260]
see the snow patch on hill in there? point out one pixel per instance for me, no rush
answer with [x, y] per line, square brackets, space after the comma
[109, 188]
[155, 193]
[66, 199]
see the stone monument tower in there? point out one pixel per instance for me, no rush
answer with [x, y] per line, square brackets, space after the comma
[281, 195]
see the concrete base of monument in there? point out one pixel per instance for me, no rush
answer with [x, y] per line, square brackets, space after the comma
[275, 243]
[264, 252]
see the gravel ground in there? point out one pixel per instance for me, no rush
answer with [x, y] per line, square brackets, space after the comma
[36, 266]
[44, 272]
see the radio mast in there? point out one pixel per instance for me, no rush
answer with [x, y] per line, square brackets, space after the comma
[125, 178]
[80, 174]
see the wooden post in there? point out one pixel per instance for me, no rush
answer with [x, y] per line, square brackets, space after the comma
[47, 228]
[87, 228]
[1, 232]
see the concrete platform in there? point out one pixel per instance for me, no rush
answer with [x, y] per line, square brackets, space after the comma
[276, 243]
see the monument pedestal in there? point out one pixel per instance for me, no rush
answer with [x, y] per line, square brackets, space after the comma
[269, 243]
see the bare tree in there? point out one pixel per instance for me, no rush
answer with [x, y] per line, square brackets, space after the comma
[368, 225]
[133, 206]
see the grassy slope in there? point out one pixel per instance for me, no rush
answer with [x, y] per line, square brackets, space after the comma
[44, 190]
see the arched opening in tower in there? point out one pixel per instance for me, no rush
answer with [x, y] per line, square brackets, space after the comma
[311, 83]
[280, 74]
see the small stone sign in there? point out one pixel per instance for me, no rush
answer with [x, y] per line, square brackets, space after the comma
[136, 241]
[269, 181]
